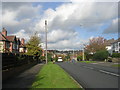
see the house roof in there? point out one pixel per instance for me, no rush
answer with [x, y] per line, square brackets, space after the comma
[11, 38]
[109, 42]
[2, 37]
[118, 40]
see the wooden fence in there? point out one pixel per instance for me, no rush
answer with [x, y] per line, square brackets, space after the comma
[10, 60]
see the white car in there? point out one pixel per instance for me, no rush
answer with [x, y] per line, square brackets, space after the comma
[60, 59]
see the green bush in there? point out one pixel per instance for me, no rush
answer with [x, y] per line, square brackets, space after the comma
[56, 59]
[79, 58]
[66, 58]
[49, 57]
[116, 55]
[89, 56]
[101, 55]
[42, 58]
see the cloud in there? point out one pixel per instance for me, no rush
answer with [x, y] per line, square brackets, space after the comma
[17, 16]
[23, 19]
[113, 28]
[22, 34]
[59, 35]
[66, 17]
[0, 15]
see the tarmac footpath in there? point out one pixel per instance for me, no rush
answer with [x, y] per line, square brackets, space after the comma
[23, 80]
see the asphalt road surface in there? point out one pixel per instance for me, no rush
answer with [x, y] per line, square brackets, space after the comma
[92, 75]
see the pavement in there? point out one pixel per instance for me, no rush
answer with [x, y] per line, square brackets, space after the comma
[92, 76]
[109, 64]
[23, 80]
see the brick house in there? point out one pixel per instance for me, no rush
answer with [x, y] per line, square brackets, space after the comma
[22, 48]
[9, 43]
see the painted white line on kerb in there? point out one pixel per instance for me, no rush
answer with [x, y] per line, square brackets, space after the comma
[109, 73]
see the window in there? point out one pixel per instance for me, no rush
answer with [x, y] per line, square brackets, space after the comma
[13, 45]
[17, 47]
[7, 45]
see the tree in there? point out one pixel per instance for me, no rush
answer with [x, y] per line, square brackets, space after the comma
[67, 57]
[33, 47]
[79, 58]
[49, 56]
[95, 44]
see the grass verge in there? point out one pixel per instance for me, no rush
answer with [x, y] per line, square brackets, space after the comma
[88, 61]
[52, 76]
[117, 65]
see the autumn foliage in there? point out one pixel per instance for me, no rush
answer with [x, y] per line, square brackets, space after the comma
[95, 44]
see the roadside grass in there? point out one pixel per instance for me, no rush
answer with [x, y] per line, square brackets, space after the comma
[53, 76]
[116, 65]
[88, 61]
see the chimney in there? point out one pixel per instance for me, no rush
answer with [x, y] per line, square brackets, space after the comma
[4, 32]
[22, 41]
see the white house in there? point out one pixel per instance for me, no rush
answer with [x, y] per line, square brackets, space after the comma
[109, 49]
[116, 46]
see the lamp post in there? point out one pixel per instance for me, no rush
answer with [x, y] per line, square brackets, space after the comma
[83, 54]
[73, 53]
[46, 38]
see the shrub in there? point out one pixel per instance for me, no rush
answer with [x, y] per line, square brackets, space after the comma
[67, 57]
[101, 55]
[42, 58]
[79, 58]
[116, 55]
[89, 56]
[56, 59]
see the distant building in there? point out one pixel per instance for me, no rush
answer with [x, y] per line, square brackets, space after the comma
[22, 48]
[9, 43]
[116, 46]
[109, 45]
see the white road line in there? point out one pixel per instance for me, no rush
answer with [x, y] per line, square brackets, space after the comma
[109, 73]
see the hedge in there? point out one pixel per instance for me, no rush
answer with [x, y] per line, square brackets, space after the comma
[101, 55]
[116, 55]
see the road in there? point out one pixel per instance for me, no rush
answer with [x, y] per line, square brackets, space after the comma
[92, 75]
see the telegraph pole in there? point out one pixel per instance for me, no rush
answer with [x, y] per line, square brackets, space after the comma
[73, 53]
[83, 54]
[46, 38]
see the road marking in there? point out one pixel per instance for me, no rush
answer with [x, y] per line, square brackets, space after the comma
[109, 73]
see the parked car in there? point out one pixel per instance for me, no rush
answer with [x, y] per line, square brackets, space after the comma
[60, 59]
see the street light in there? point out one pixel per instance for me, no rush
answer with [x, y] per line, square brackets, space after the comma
[73, 53]
[46, 38]
[83, 54]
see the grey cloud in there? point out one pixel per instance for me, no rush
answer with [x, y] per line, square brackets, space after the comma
[93, 16]
[113, 28]
[64, 18]
[13, 5]
[24, 15]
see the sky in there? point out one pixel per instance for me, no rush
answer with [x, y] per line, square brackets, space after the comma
[70, 24]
